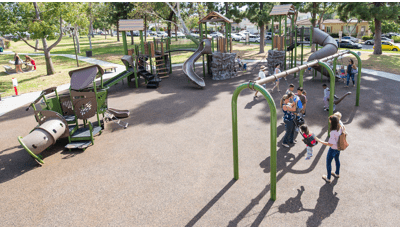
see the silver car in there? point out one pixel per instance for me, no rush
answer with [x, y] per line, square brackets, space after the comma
[372, 41]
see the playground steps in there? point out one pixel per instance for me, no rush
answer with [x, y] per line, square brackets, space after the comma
[69, 118]
[161, 67]
[152, 80]
[85, 132]
[78, 145]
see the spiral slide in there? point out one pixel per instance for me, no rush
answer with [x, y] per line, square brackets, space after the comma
[330, 47]
[188, 66]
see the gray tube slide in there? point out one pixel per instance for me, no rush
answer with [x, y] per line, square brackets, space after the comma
[329, 44]
[189, 63]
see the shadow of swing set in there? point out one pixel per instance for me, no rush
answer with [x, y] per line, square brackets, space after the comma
[318, 61]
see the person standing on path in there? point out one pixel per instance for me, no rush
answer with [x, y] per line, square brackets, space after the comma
[288, 119]
[261, 75]
[277, 70]
[350, 73]
[333, 152]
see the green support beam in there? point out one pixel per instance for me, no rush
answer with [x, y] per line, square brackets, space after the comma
[125, 43]
[272, 35]
[273, 133]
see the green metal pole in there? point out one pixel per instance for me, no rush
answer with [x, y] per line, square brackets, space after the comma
[273, 132]
[201, 31]
[272, 35]
[332, 89]
[170, 57]
[280, 25]
[292, 34]
[125, 43]
[295, 48]
[285, 43]
[151, 63]
[141, 41]
[226, 36]
[301, 77]
[302, 47]
[212, 44]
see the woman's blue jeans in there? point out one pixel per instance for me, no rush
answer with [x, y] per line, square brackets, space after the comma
[348, 78]
[332, 154]
[289, 127]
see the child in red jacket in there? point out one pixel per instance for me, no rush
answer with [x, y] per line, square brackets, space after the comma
[309, 140]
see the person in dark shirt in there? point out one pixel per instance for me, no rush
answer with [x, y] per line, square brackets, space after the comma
[349, 73]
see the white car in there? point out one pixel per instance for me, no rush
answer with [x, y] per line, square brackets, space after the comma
[216, 34]
[153, 33]
[236, 37]
[195, 35]
[179, 35]
[372, 41]
[268, 35]
[162, 34]
[254, 38]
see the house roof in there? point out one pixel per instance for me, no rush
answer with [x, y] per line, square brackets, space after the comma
[287, 9]
[215, 17]
[338, 21]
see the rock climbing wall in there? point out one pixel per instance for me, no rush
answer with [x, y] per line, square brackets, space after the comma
[275, 57]
[223, 66]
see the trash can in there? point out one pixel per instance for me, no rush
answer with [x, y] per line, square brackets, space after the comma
[1, 49]
[88, 53]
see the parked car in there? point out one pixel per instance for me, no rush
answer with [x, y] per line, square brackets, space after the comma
[253, 38]
[390, 35]
[136, 33]
[236, 37]
[179, 35]
[372, 41]
[386, 45]
[162, 34]
[153, 33]
[268, 35]
[348, 44]
[353, 39]
[216, 34]
[195, 35]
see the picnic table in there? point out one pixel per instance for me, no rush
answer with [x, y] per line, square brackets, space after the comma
[13, 62]
[109, 67]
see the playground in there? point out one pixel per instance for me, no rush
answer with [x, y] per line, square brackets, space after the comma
[180, 134]
[173, 165]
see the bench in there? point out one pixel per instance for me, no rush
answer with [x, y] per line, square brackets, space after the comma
[9, 69]
[109, 67]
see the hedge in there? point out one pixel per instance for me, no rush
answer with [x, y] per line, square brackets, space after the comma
[396, 39]
[365, 38]
[7, 43]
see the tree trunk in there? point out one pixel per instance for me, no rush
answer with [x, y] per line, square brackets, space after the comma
[262, 37]
[78, 46]
[105, 33]
[2, 43]
[314, 20]
[117, 31]
[111, 33]
[36, 44]
[378, 33]
[49, 64]
[132, 42]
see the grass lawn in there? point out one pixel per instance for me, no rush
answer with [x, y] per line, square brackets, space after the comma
[110, 50]
[37, 80]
